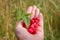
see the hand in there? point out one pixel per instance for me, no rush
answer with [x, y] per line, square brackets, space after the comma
[23, 34]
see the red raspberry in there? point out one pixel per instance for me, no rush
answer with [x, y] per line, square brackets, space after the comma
[32, 21]
[30, 30]
[34, 32]
[23, 24]
[34, 24]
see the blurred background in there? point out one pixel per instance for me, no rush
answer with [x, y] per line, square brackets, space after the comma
[11, 11]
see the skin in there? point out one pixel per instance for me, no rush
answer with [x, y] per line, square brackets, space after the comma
[23, 34]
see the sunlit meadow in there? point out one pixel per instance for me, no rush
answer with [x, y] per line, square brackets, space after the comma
[11, 11]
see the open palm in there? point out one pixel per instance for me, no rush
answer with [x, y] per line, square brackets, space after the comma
[23, 34]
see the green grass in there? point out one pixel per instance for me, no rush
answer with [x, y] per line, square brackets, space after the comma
[10, 13]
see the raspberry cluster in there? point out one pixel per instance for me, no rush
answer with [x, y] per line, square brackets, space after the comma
[34, 24]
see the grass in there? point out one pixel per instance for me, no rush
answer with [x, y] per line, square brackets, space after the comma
[10, 12]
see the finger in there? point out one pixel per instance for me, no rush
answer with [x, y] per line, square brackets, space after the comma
[40, 28]
[36, 12]
[33, 11]
[40, 16]
[29, 9]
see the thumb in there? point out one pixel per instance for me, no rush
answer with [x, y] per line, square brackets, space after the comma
[21, 31]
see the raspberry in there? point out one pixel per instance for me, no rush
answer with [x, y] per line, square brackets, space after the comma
[31, 26]
[23, 24]
[30, 30]
[31, 21]
[34, 24]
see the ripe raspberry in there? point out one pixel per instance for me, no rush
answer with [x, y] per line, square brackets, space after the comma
[31, 21]
[30, 30]
[34, 24]
[23, 24]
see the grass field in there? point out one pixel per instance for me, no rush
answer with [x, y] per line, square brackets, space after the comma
[10, 12]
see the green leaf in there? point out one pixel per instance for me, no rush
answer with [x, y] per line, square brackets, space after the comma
[26, 20]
